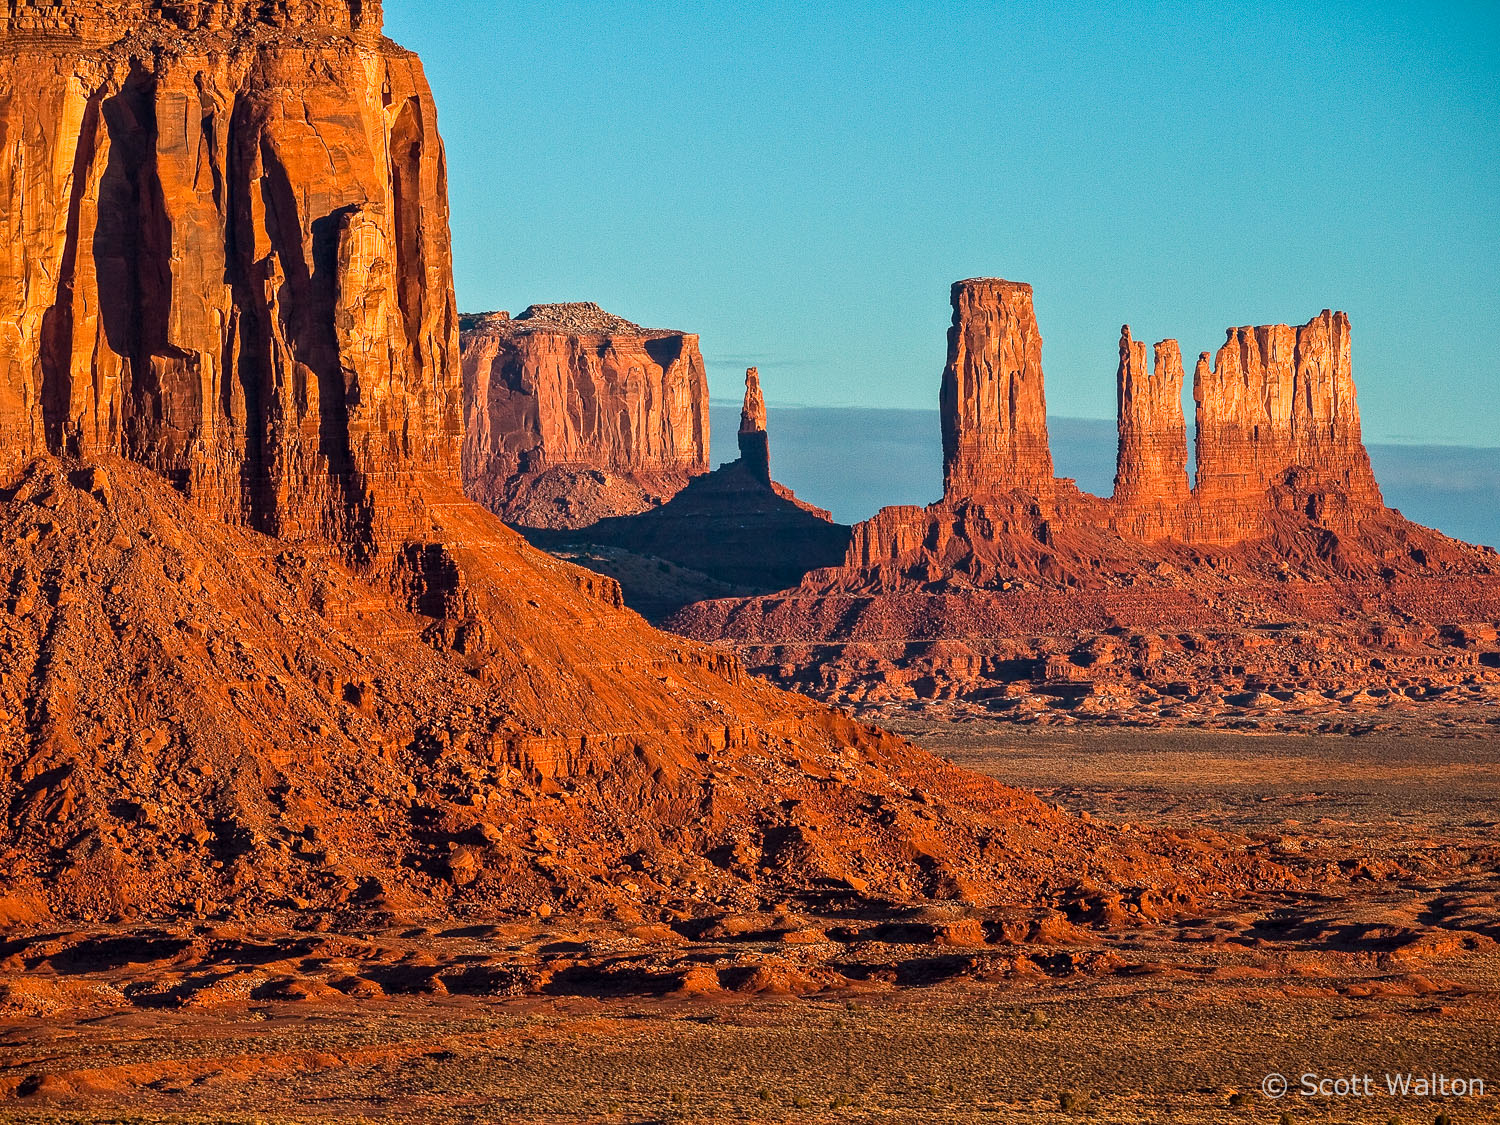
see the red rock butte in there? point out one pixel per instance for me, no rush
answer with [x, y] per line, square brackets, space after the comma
[1277, 424]
[573, 414]
[994, 406]
[230, 266]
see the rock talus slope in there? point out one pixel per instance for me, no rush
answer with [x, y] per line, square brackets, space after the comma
[573, 414]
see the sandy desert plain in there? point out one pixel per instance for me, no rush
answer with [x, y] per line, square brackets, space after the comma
[1392, 969]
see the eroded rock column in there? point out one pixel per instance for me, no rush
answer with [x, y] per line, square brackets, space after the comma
[994, 405]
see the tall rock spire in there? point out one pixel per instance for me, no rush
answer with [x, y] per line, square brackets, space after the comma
[994, 405]
[755, 450]
[1151, 482]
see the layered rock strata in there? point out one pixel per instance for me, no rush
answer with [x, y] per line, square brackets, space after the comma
[573, 414]
[230, 266]
[102, 20]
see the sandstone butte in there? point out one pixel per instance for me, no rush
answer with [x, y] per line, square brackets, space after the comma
[1278, 570]
[573, 414]
[260, 656]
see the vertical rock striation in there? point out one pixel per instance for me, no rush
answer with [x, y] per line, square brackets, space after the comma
[573, 414]
[227, 258]
[1279, 430]
[994, 406]
[1151, 483]
[1280, 458]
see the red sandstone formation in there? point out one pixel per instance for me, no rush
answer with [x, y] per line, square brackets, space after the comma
[1280, 462]
[573, 415]
[1278, 429]
[1010, 578]
[258, 655]
[102, 21]
[231, 266]
[1151, 482]
[994, 405]
[755, 450]
[734, 528]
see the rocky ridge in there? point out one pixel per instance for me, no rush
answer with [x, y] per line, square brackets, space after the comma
[103, 20]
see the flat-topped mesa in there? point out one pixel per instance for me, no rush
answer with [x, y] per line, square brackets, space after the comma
[231, 263]
[571, 391]
[110, 20]
[1151, 481]
[1279, 429]
[994, 405]
[755, 446]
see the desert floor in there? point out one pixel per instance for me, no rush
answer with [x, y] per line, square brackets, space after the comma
[1396, 973]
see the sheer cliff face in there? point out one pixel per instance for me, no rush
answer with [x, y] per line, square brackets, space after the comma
[228, 259]
[1278, 427]
[993, 403]
[572, 389]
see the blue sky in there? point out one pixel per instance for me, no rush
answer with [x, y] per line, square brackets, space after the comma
[799, 184]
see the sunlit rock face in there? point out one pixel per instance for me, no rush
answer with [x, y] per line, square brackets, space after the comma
[994, 404]
[1279, 430]
[1151, 481]
[227, 257]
